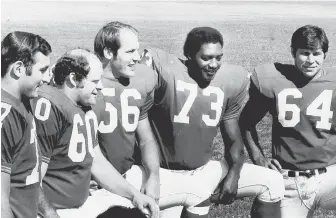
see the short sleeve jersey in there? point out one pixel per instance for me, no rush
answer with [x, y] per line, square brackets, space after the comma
[304, 119]
[20, 155]
[67, 136]
[186, 116]
[122, 104]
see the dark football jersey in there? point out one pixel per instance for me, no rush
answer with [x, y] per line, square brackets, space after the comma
[304, 119]
[120, 107]
[186, 116]
[20, 155]
[67, 136]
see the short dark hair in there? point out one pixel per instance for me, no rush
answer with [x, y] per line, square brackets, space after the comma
[199, 36]
[75, 61]
[108, 37]
[310, 37]
[121, 212]
[21, 46]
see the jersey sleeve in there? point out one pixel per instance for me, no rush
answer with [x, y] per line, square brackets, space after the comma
[147, 105]
[155, 59]
[258, 104]
[13, 126]
[239, 97]
[150, 92]
[48, 121]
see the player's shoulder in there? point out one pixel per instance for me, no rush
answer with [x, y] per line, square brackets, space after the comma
[144, 73]
[145, 79]
[271, 75]
[11, 105]
[158, 54]
[49, 92]
[54, 102]
[160, 60]
[230, 71]
[14, 114]
[231, 77]
[271, 71]
[330, 73]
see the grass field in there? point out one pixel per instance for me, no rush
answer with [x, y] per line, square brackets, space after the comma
[254, 33]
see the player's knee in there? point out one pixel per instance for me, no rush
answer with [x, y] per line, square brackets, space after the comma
[274, 189]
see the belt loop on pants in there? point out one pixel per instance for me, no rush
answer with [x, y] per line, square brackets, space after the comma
[307, 173]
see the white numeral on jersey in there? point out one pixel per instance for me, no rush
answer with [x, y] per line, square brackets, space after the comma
[183, 117]
[78, 139]
[113, 121]
[216, 106]
[126, 110]
[284, 107]
[34, 176]
[47, 106]
[90, 115]
[322, 101]
[5, 109]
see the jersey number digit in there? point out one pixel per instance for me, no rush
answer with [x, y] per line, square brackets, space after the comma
[42, 102]
[183, 117]
[34, 176]
[126, 110]
[5, 109]
[77, 138]
[322, 101]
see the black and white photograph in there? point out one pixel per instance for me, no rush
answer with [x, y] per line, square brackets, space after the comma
[168, 109]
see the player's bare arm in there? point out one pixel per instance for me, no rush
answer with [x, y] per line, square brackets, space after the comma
[110, 179]
[235, 157]
[6, 211]
[150, 159]
[248, 127]
[44, 205]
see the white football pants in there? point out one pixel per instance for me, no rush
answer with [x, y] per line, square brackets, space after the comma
[187, 188]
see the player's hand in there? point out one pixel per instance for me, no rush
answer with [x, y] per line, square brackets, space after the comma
[151, 187]
[226, 191]
[144, 202]
[269, 163]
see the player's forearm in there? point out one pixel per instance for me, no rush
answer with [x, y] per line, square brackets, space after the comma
[45, 208]
[6, 211]
[109, 178]
[150, 157]
[149, 148]
[251, 143]
[236, 157]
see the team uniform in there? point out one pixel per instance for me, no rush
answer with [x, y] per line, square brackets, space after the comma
[20, 155]
[121, 106]
[303, 134]
[186, 118]
[67, 136]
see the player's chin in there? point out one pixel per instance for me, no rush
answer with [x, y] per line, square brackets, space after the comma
[92, 101]
[209, 77]
[310, 73]
[130, 72]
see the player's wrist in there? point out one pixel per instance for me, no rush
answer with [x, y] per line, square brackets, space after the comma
[154, 174]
